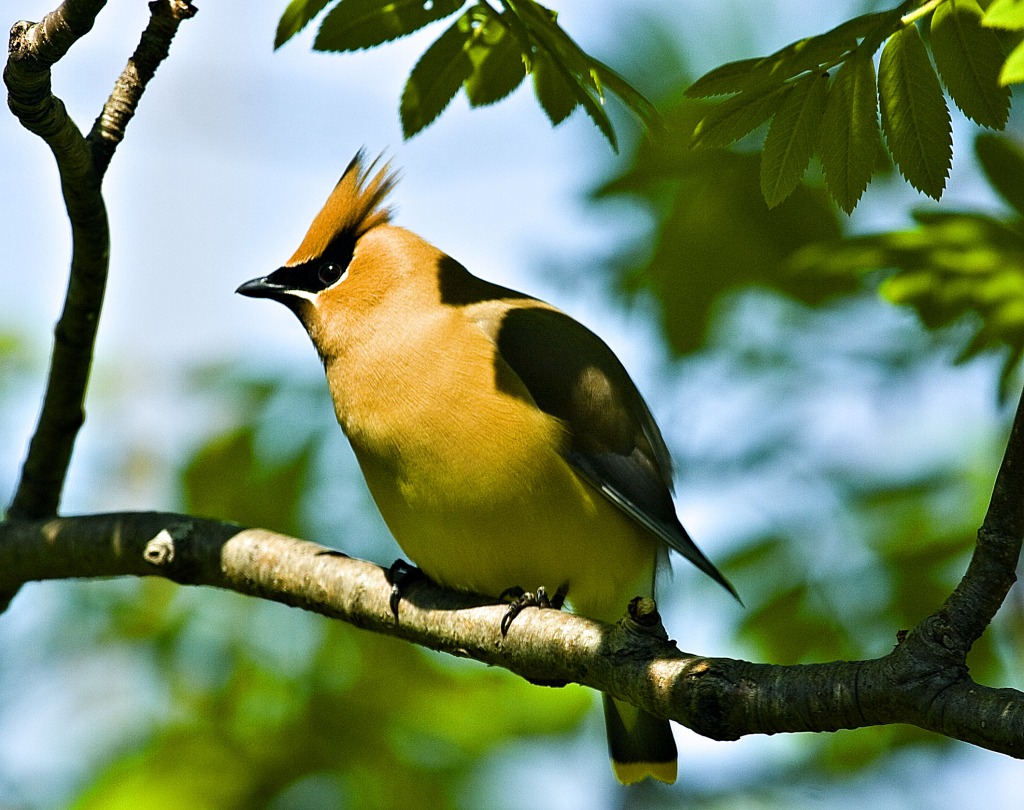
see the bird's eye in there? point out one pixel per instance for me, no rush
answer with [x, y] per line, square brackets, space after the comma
[330, 272]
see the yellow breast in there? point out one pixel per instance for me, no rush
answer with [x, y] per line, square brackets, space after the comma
[471, 479]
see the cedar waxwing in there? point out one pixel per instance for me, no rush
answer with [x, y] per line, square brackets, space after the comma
[503, 442]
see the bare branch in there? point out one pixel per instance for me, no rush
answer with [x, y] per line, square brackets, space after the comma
[33, 49]
[108, 130]
[717, 697]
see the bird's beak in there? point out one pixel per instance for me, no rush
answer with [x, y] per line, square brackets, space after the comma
[262, 287]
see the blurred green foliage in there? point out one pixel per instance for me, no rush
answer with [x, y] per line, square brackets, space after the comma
[18, 365]
[782, 298]
[713, 234]
[953, 265]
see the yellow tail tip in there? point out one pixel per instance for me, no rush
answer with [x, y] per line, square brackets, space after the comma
[629, 773]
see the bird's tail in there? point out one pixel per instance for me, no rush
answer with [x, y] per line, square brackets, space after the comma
[639, 743]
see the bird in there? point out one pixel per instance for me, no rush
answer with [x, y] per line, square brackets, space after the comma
[504, 443]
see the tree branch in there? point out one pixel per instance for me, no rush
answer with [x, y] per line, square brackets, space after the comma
[108, 130]
[718, 697]
[33, 49]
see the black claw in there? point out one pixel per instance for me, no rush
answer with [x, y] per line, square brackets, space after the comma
[400, 574]
[511, 594]
[519, 599]
[510, 615]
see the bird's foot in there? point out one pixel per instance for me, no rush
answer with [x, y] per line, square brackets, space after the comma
[399, 575]
[518, 599]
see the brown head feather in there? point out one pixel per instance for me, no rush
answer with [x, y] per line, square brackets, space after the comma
[354, 207]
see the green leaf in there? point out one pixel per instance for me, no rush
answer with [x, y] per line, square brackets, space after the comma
[629, 95]
[732, 77]
[355, 24]
[554, 91]
[816, 53]
[969, 58]
[1013, 70]
[914, 115]
[436, 78]
[498, 66]
[792, 138]
[559, 93]
[829, 49]
[594, 107]
[580, 72]
[735, 117]
[1002, 159]
[1005, 14]
[850, 139]
[295, 18]
[865, 33]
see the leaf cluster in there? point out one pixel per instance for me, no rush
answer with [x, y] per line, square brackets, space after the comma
[486, 51]
[685, 265]
[822, 96]
[951, 264]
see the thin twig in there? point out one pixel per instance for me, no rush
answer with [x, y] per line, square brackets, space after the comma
[154, 45]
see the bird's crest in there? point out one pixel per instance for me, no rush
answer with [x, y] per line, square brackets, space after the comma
[355, 206]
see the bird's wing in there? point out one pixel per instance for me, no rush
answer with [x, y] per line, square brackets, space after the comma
[615, 444]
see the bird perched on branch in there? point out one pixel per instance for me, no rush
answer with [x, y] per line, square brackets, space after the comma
[503, 442]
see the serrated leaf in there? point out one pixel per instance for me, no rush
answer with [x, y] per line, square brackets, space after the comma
[295, 18]
[355, 24]
[969, 58]
[593, 104]
[1005, 14]
[559, 93]
[914, 115]
[730, 120]
[809, 54]
[1013, 69]
[732, 77]
[579, 71]
[436, 78]
[792, 138]
[629, 95]
[841, 41]
[498, 66]
[1002, 160]
[850, 137]
[553, 90]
